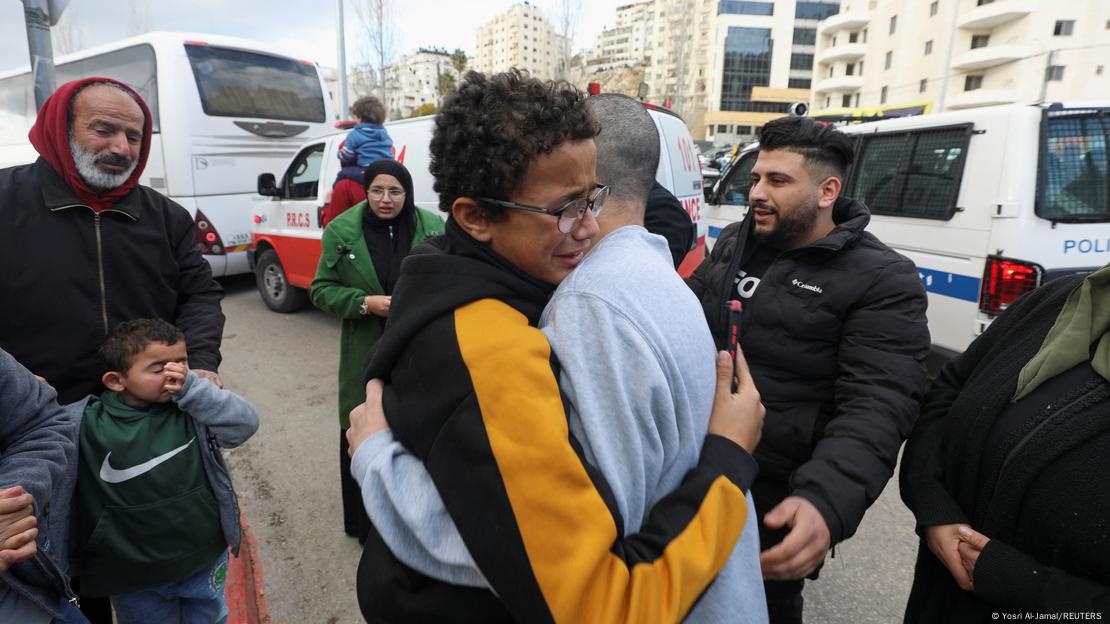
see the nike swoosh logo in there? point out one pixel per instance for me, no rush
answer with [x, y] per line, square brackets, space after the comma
[112, 475]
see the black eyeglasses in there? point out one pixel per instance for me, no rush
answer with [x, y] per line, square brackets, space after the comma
[570, 213]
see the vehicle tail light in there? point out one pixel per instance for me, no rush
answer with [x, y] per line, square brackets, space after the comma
[207, 239]
[1004, 280]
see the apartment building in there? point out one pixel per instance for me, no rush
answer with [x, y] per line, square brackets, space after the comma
[914, 56]
[627, 43]
[414, 80]
[729, 66]
[762, 62]
[520, 37]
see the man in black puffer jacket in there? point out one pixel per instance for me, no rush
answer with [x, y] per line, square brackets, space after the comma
[834, 331]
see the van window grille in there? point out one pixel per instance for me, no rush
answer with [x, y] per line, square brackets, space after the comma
[911, 174]
[1072, 183]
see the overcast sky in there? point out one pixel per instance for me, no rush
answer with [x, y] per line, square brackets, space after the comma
[307, 32]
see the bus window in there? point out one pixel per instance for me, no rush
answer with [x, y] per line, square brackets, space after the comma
[134, 66]
[1074, 182]
[17, 109]
[234, 83]
[303, 178]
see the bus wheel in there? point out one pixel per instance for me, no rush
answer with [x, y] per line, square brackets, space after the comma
[277, 293]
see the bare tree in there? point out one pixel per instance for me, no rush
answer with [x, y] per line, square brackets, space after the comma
[376, 22]
[567, 14]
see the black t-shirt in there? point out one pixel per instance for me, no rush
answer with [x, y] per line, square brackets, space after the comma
[748, 277]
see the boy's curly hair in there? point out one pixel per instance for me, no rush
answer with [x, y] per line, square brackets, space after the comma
[130, 338]
[491, 128]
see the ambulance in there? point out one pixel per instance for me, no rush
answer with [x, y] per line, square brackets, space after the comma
[988, 202]
[286, 234]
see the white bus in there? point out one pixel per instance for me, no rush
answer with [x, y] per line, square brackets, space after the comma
[988, 202]
[225, 110]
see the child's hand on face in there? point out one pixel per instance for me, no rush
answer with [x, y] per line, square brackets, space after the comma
[175, 377]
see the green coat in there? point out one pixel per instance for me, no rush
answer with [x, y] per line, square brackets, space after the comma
[344, 277]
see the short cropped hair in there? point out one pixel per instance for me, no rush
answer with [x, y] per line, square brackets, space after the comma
[822, 146]
[627, 147]
[369, 109]
[491, 129]
[130, 338]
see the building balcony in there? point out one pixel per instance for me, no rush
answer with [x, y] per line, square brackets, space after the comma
[991, 15]
[842, 52]
[839, 84]
[845, 21]
[989, 56]
[982, 97]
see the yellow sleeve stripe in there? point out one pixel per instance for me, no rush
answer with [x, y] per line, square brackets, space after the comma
[567, 529]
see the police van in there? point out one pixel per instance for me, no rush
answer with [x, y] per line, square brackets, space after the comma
[988, 202]
[287, 232]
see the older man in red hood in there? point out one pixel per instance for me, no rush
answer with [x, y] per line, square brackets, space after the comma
[84, 247]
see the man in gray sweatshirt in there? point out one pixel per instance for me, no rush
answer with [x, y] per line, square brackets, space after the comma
[637, 371]
[38, 449]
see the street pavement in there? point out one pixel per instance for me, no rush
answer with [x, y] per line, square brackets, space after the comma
[287, 481]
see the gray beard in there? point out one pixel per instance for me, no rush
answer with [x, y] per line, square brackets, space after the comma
[96, 178]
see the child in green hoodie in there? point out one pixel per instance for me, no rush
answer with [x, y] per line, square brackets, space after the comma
[156, 511]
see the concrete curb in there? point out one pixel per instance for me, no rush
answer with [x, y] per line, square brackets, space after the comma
[246, 598]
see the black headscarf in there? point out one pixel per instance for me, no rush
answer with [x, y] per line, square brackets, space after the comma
[389, 240]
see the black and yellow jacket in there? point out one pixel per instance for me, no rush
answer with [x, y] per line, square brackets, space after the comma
[471, 389]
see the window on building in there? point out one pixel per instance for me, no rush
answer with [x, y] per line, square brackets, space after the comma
[980, 41]
[805, 36]
[801, 61]
[722, 128]
[850, 69]
[882, 96]
[1054, 73]
[921, 86]
[1064, 28]
[861, 68]
[933, 8]
[799, 83]
[982, 2]
[1098, 70]
[737, 7]
[972, 83]
[747, 64]
[830, 71]
[889, 59]
[864, 35]
[857, 100]
[853, 37]
[827, 101]
[743, 129]
[911, 174]
[816, 10]
[846, 100]
[928, 47]
[893, 24]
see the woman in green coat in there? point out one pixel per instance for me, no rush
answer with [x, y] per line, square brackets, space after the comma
[361, 261]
